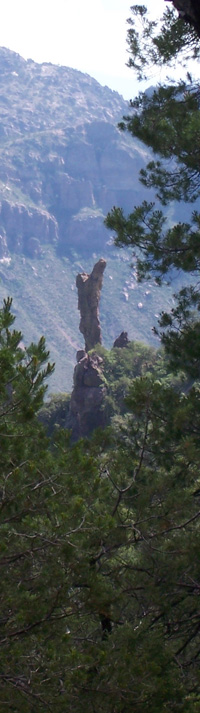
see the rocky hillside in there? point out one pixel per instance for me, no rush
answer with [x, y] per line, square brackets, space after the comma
[63, 161]
[63, 165]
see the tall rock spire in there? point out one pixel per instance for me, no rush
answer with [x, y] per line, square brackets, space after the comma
[89, 290]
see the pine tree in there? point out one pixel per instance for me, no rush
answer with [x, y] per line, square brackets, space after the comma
[99, 567]
[100, 541]
[160, 434]
[169, 121]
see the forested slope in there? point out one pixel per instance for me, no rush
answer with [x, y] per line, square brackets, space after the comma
[100, 541]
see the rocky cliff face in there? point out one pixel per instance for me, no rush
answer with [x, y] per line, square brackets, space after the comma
[26, 230]
[63, 161]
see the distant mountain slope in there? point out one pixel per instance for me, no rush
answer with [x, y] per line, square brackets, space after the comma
[63, 164]
[62, 156]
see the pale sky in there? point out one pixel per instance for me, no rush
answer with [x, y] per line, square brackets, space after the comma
[89, 35]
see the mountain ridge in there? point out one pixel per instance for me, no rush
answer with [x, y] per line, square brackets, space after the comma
[64, 163]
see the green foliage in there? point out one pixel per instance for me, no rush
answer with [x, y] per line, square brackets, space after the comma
[54, 411]
[100, 541]
[168, 120]
[159, 41]
[99, 546]
[157, 444]
[121, 366]
[160, 248]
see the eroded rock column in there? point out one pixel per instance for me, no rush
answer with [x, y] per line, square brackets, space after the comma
[85, 412]
[89, 290]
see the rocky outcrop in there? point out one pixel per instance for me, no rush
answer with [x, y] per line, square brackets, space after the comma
[122, 341]
[73, 194]
[22, 225]
[89, 290]
[86, 413]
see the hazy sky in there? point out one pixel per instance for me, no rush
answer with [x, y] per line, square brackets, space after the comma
[89, 35]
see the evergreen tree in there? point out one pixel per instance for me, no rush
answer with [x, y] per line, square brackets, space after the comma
[100, 542]
[166, 420]
[169, 121]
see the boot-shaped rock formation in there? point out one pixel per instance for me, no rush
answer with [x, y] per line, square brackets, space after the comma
[122, 341]
[89, 290]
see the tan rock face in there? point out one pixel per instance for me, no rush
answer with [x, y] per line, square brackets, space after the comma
[89, 290]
